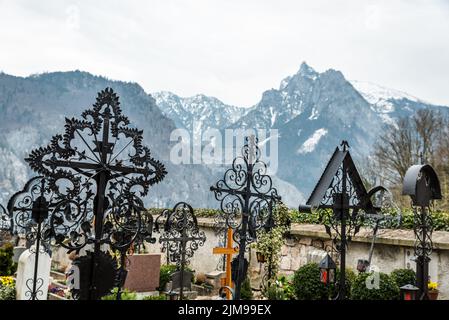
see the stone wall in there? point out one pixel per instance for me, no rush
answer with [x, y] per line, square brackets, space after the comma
[393, 250]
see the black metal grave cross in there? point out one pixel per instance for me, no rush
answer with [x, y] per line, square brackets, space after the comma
[29, 211]
[342, 202]
[182, 238]
[245, 194]
[71, 161]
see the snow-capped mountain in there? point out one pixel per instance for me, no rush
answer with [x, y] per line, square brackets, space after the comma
[206, 112]
[312, 111]
[33, 110]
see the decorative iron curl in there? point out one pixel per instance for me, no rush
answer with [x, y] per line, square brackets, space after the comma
[21, 206]
[58, 161]
[33, 295]
[181, 236]
[423, 227]
[247, 178]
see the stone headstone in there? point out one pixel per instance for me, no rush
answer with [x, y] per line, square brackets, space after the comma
[143, 272]
[17, 253]
[186, 280]
[25, 274]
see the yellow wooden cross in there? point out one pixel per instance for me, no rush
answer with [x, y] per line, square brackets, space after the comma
[228, 251]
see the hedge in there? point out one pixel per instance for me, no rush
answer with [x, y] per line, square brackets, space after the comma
[440, 218]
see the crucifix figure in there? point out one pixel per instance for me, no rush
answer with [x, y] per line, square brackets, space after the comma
[245, 193]
[227, 251]
[182, 238]
[92, 157]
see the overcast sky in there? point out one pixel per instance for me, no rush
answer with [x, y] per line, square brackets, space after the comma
[231, 49]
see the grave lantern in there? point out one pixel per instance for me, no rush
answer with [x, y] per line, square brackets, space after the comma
[422, 185]
[409, 292]
[327, 270]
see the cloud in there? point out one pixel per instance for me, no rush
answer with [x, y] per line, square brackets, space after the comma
[233, 50]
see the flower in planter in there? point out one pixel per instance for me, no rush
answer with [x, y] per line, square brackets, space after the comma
[433, 286]
[7, 281]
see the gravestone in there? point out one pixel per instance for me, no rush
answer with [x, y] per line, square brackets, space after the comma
[17, 253]
[26, 271]
[143, 272]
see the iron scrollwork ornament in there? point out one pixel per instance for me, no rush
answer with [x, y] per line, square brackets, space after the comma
[343, 204]
[98, 167]
[245, 194]
[421, 183]
[181, 238]
[29, 211]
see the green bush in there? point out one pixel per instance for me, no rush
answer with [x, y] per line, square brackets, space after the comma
[166, 272]
[164, 275]
[7, 266]
[246, 293]
[440, 218]
[281, 289]
[387, 290]
[307, 284]
[403, 277]
[124, 295]
[350, 278]
[7, 293]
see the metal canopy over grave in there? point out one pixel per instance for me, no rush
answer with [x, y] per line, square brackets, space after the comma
[422, 185]
[342, 203]
[245, 193]
[101, 169]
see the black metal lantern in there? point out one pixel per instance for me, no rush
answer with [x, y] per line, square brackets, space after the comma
[327, 270]
[409, 292]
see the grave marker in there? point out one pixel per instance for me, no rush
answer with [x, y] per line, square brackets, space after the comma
[33, 266]
[227, 251]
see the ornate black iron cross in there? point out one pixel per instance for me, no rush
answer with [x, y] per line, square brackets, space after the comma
[97, 155]
[245, 194]
[181, 238]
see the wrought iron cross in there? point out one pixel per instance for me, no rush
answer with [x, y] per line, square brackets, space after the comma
[342, 202]
[182, 237]
[87, 155]
[245, 194]
[29, 211]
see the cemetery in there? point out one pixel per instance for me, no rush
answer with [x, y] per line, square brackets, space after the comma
[79, 230]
